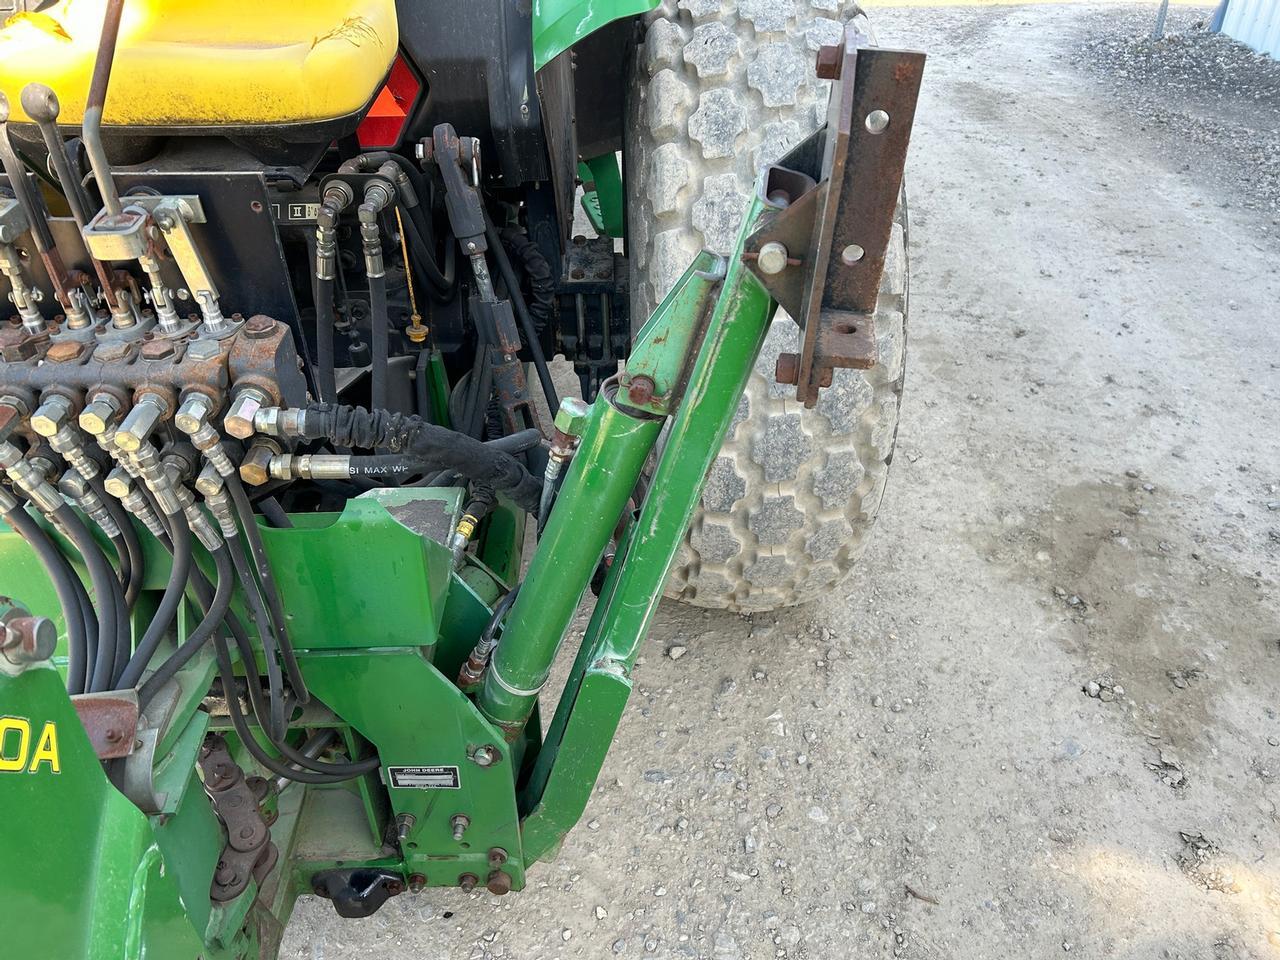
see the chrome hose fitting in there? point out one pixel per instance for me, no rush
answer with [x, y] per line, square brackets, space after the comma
[53, 421]
[80, 493]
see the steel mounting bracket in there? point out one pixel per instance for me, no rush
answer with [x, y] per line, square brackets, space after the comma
[829, 211]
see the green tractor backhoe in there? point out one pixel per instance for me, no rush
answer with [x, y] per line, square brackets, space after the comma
[295, 519]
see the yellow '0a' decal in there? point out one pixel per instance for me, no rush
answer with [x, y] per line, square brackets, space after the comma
[16, 754]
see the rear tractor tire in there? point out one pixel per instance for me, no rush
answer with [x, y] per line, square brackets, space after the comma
[719, 88]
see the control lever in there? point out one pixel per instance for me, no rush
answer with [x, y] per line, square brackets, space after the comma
[65, 285]
[41, 105]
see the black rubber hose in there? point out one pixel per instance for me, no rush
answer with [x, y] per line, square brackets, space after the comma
[421, 244]
[215, 613]
[379, 340]
[266, 636]
[105, 588]
[522, 312]
[421, 395]
[326, 376]
[227, 670]
[341, 770]
[363, 429]
[122, 608]
[274, 513]
[167, 610]
[542, 284]
[133, 545]
[244, 510]
[64, 580]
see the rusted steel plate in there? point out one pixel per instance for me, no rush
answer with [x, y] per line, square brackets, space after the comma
[833, 200]
[110, 720]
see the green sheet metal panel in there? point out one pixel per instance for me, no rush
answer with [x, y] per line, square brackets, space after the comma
[559, 24]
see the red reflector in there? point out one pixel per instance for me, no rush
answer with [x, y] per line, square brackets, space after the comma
[385, 122]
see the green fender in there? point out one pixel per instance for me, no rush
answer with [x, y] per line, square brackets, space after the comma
[559, 24]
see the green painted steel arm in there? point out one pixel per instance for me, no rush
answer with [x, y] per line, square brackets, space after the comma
[559, 24]
[596, 693]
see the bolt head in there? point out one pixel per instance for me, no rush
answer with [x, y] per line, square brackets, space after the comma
[203, 350]
[499, 883]
[641, 389]
[64, 351]
[210, 482]
[830, 61]
[139, 424]
[572, 416]
[100, 415]
[157, 350]
[51, 416]
[193, 413]
[772, 258]
[72, 485]
[118, 483]
[239, 419]
[259, 326]
[484, 756]
[255, 469]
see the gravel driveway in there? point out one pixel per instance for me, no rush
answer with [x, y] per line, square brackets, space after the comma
[1042, 719]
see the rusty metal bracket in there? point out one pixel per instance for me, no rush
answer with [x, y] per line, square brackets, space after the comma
[831, 202]
[110, 720]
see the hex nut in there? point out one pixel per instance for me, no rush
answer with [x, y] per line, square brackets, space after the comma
[140, 423]
[51, 416]
[64, 351]
[100, 414]
[193, 413]
[572, 416]
[118, 483]
[255, 469]
[239, 419]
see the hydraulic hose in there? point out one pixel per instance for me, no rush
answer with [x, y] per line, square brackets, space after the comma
[215, 613]
[421, 394]
[420, 247]
[522, 312]
[106, 588]
[132, 545]
[64, 583]
[326, 318]
[227, 671]
[379, 340]
[179, 573]
[363, 429]
[391, 465]
[244, 510]
[266, 636]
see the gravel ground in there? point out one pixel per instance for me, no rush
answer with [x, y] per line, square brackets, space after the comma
[1219, 98]
[1041, 719]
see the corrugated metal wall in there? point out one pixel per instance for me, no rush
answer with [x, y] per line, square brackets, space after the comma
[1256, 23]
